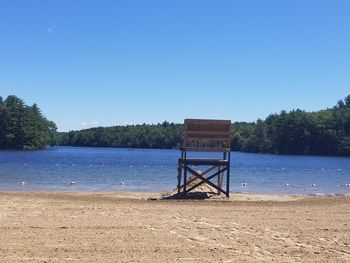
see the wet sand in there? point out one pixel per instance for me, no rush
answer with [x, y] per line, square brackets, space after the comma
[138, 227]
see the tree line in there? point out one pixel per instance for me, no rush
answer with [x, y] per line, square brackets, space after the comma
[161, 136]
[23, 126]
[325, 132]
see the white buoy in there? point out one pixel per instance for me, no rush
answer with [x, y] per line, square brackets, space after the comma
[243, 184]
[72, 183]
[23, 183]
[122, 183]
[313, 185]
[286, 185]
[347, 185]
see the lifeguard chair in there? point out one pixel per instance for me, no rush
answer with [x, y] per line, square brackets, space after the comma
[200, 135]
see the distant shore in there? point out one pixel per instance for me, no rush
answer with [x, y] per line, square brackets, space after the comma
[49, 226]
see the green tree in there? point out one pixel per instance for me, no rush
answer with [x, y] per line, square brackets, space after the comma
[24, 127]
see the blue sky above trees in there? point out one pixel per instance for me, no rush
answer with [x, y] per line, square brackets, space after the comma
[90, 63]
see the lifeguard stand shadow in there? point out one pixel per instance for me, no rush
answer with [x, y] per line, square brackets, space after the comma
[192, 195]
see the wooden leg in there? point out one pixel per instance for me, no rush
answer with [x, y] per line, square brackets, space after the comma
[228, 174]
[228, 181]
[179, 172]
[219, 180]
[185, 179]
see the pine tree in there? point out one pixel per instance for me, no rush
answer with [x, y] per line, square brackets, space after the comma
[24, 127]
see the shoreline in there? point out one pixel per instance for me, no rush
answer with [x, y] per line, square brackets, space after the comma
[153, 193]
[160, 196]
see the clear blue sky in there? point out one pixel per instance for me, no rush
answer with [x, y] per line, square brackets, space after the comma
[89, 63]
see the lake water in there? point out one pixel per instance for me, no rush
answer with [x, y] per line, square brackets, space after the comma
[104, 169]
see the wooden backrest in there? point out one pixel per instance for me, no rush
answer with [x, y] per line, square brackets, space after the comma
[202, 135]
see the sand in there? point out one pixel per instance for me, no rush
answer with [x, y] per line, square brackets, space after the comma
[138, 227]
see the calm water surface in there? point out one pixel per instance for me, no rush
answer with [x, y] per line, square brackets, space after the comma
[104, 169]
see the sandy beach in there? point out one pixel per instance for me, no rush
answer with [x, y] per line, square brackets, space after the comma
[138, 227]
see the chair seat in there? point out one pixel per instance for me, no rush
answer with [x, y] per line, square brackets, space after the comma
[204, 161]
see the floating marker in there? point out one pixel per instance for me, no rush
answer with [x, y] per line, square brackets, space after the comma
[72, 183]
[243, 184]
[313, 185]
[286, 185]
[122, 183]
[23, 183]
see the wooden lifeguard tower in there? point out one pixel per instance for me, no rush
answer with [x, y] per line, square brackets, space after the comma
[201, 135]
